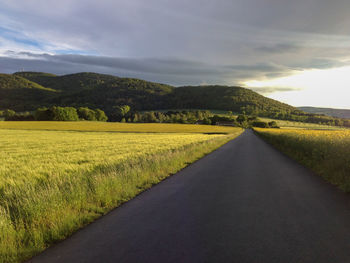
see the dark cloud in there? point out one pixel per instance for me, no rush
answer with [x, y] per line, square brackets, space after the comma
[172, 71]
[279, 48]
[176, 42]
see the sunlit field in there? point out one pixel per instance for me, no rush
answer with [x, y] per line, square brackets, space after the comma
[325, 152]
[301, 125]
[115, 127]
[54, 182]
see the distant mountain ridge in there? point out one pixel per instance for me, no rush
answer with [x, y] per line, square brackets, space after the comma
[106, 91]
[339, 113]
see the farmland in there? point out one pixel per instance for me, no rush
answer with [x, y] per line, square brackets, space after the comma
[58, 177]
[326, 152]
[284, 124]
[115, 127]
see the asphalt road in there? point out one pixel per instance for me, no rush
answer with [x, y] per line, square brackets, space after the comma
[245, 202]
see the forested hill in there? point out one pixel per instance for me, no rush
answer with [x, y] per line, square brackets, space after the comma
[106, 91]
[22, 94]
[339, 113]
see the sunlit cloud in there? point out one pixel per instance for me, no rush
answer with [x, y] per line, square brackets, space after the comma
[327, 88]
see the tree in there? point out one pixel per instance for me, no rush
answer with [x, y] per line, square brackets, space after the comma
[273, 124]
[149, 117]
[242, 118]
[122, 110]
[9, 114]
[136, 118]
[100, 115]
[43, 114]
[87, 114]
[260, 124]
[64, 113]
[206, 121]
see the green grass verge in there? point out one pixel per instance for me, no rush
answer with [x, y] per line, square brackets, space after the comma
[51, 210]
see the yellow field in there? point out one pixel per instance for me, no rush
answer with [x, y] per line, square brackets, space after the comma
[115, 127]
[53, 182]
[326, 152]
[27, 154]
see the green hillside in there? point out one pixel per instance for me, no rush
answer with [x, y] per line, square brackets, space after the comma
[22, 94]
[106, 91]
[339, 113]
[234, 99]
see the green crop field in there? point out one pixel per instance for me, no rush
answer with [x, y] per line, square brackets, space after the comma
[57, 177]
[301, 125]
[325, 152]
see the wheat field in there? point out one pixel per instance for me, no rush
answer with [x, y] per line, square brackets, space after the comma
[115, 127]
[52, 182]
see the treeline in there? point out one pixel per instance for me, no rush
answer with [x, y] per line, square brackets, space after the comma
[124, 113]
[299, 116]
[191, 117]
[185, 117]
[55, 113]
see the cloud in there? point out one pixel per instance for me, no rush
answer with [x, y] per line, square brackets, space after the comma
[279, 48]
[270, 90]
[176, 42]
[169, 70]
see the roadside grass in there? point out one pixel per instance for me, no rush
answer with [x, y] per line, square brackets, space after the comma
[55, 182]
[115, 127]
[327, 153]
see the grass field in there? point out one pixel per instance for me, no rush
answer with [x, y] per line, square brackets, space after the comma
[301, 125]
[325, 152]
[115, 127]
[53, 181]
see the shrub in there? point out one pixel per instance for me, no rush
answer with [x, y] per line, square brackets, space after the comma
[260, 124]
[273, 124]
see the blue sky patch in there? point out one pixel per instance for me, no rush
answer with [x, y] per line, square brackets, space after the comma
[18, 37]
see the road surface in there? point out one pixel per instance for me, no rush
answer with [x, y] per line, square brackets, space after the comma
[245, 202]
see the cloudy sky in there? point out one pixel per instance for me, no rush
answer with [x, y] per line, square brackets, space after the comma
[295, 51]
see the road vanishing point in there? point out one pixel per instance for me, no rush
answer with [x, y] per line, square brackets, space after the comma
[244, 202]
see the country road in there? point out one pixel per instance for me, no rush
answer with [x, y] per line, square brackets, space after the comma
[245, 202]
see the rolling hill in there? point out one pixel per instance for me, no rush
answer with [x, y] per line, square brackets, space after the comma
[22, 94]
[339, 113]
[105, 91]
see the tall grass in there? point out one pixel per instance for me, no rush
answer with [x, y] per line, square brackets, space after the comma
[54, 182]
[325, 152]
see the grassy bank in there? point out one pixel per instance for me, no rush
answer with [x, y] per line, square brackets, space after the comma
[55, 182]
[325, 152]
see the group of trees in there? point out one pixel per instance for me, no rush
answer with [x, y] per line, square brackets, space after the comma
[243, 121]
[189, 117]
[56, 113]
[69, 114]
[301, 116]
[124, 114]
